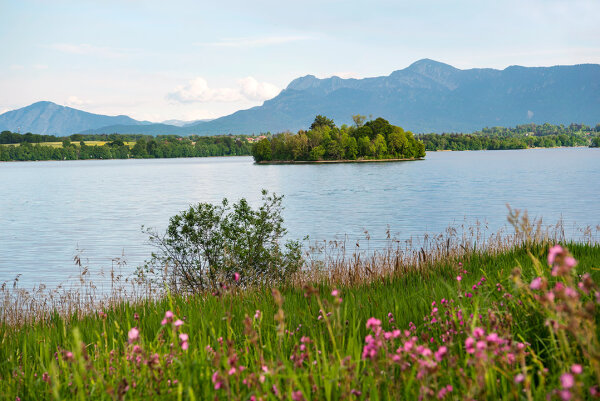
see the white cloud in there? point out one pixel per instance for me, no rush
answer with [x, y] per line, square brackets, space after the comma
[74, 101]
[16, 67]
[255, 90]
[198, 91]
[40, 67]
[89, 50]
[255, 42]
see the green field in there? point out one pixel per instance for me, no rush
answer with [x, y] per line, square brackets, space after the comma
[88, 143]
[308, 342]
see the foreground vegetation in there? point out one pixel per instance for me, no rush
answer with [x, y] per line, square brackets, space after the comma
[518, 320]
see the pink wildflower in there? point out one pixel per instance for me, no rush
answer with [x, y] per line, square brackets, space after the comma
[519, 378]
[334, 293]
[215, 379]
[297, 395]
[373, 323]
[553, 252]
[570, 262]
[478, 332]
[577, 369]
[133, 335]
[493, 338]
[183, 337]
[458, 278]
[565, 395]
[178, 323]
[536, 283]
[236, 276]
[469, 343]
[257, 314]
[439, 354]
[567, 380]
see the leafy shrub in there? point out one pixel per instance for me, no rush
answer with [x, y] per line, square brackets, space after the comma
[211, 244]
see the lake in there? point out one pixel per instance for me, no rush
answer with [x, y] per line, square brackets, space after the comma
[51, 211]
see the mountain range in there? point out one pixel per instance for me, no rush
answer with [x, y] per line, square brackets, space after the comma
[427, 96]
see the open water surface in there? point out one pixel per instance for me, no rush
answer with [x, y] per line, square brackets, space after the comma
[51, 211]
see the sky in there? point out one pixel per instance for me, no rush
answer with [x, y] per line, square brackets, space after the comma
[189, 60]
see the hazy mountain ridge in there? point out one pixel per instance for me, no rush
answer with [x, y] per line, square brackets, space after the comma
[52, 119]
[427, 96]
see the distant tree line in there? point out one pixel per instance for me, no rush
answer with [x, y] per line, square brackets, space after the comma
[168, 146]
[375, 139]
[539, 130]
[520, 137]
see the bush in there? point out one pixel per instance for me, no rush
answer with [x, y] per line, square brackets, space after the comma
[212, 244]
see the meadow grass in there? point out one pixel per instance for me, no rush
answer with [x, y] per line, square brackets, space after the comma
[88, 143]
[468, 326]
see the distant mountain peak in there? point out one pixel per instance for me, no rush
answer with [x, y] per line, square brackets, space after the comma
[428, 64]
[303, 83]
[45, 117]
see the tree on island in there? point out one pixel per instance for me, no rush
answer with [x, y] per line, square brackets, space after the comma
[322, 121]
[262, 150]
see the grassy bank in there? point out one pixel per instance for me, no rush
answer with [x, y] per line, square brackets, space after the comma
[468, 327]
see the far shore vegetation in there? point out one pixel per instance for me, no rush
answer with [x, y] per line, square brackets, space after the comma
[357, 142]
[115, 146]
[233, 313]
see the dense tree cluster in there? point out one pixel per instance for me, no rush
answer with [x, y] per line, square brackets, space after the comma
[145, 147]
[520, 137]
[539, 130]
[483, 142]
[375, 139]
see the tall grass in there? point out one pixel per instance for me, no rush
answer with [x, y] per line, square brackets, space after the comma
[451, 320]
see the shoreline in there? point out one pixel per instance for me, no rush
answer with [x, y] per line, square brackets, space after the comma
[336, 161]
[303, 162]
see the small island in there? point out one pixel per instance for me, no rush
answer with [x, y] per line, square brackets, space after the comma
[372, 141]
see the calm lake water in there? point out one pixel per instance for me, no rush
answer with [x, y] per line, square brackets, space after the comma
[50, 211]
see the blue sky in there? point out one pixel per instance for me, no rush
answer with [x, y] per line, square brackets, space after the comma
[159, 60]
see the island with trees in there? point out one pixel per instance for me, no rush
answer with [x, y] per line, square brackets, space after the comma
[323, 142]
